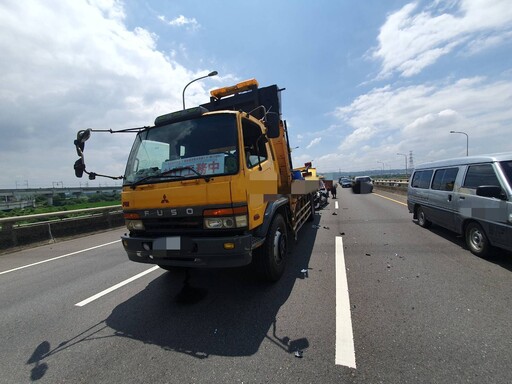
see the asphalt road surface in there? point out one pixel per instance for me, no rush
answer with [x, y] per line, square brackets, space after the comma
[368, 297]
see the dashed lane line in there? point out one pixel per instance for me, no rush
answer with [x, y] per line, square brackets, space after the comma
[117, 286]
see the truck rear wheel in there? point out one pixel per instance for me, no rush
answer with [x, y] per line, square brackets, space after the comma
[272, 255]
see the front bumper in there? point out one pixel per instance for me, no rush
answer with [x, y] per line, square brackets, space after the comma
[184, 251]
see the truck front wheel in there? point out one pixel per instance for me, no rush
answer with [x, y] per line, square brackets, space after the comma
[271, 256]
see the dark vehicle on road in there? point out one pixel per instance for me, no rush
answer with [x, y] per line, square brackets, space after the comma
[362, 184]
[345, 182]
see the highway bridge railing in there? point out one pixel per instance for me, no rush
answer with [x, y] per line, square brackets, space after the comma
[395, 186]
[44, 228]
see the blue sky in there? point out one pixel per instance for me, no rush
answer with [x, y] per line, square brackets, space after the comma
[364, 80]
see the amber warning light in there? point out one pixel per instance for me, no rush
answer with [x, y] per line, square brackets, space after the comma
[240, 87]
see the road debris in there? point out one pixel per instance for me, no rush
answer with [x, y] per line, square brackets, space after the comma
[299, 354]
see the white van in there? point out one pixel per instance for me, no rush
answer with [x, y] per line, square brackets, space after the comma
[471, 196]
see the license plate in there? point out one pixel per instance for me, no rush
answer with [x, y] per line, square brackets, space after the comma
[173, 243]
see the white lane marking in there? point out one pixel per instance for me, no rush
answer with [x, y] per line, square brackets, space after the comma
[59, 257]
[335, 205]
[345, 352]
[113, 288]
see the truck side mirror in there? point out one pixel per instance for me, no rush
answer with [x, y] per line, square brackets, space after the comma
[81, 137]
[272, 124]
[79, 168]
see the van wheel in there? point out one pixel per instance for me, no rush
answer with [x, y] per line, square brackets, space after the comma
[272, 255]
[422, 218]
[476, 240]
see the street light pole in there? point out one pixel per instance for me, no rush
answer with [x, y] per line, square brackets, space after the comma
[405, 156]
[214, 73]
[382, 167]
[467, 140]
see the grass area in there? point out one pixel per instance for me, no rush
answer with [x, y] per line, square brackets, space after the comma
[72, 205]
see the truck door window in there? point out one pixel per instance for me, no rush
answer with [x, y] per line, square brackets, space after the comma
[444, 179]
[254, 144]
[480, 174]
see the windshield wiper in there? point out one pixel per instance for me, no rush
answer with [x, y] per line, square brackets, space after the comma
[205, 177]
[167, 174]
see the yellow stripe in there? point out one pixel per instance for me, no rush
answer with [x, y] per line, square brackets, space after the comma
[396, 201]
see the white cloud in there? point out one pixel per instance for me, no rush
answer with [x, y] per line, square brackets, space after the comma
[72, 65]
[182, 21]
[314, 142]
[412, 39]
[389, 120]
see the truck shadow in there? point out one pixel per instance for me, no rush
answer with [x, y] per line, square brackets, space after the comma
[230, 312]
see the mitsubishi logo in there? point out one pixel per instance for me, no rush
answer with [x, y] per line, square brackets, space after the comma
[164, 199]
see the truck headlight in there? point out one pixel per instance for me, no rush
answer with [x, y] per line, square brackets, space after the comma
[225, 218]
[135, 225]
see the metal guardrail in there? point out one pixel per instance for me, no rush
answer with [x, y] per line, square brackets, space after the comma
[396, 186]
[14, 231]
[83, 212]
[22, 230]
[392, 183]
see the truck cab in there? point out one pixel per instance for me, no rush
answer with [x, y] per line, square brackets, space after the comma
[211, 186]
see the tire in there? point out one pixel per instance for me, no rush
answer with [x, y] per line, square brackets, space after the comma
[476, 240]
[422, 218]
[272, 255]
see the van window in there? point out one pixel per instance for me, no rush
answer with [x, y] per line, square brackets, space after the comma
[507, 169]
[481, 174]
[421, 179]
[444, 179]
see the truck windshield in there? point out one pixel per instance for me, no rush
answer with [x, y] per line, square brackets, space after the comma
[202, 147]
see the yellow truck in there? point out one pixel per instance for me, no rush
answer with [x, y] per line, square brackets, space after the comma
[213, 185]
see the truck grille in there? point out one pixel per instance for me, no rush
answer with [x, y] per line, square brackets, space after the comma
[173, 225]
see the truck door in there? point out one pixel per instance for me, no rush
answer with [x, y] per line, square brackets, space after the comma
[260, 175]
